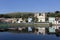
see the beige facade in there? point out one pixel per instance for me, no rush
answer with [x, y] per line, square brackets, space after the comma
[11, 20]
[40, 16]
[8, 20]
[19, 20]
[14, 20]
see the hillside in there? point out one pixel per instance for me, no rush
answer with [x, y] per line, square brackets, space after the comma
[28, 14]
[17, 15]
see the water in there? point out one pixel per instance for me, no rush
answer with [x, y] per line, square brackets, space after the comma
[26, 36]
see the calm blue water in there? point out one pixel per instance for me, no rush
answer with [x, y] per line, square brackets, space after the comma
[26, 36]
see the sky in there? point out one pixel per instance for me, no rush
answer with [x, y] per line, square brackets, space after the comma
[8, 6]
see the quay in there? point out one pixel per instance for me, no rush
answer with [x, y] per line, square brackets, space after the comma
[19, 26]
[12, 25]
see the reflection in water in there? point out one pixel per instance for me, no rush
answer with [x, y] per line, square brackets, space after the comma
[37, 33]
[57, 34]
[26, 36]
[33, 31]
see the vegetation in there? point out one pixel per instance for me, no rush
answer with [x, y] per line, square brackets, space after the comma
[35, 19]
[28, 14]
[55, 14]
[17, 15]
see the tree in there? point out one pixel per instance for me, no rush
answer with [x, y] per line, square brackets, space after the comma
[35, 19]
[26, 20]
[57, 11]
[5, 16]
[1, 15]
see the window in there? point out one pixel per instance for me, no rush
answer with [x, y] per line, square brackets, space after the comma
[40, 20]
[39, 14]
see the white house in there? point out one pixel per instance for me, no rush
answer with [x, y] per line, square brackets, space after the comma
[51, 20]
[19, 20]
[58, 21]
[40, 16]
[29, 19]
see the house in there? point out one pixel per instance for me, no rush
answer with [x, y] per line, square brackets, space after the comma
[29, 19]
[1, 20]
[56, 24]
[14, 20]
[40, 16]
[58, 21]
[19, 20]
[9, 20]
[51, 20]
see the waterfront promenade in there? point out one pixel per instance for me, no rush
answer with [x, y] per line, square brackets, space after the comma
[9, 25]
